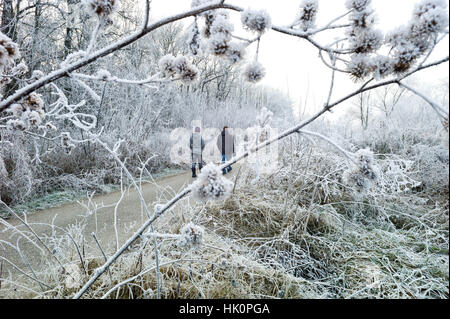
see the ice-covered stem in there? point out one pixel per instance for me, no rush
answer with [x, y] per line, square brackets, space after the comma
[146, 14]
[34, 233]
[347, 154]
[436, 107]
[106, 77]
[141, 197]
[130, 241]
[94, 36]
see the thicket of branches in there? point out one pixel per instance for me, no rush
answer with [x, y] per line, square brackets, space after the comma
[143, 116]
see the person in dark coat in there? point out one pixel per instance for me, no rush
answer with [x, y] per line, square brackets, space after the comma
[225, 144]
[197, 145]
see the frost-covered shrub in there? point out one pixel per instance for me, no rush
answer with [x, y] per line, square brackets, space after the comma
[194, 41]
[256, 20]
[17, 176]
[211, 185]
[73, 276]
[254, 72]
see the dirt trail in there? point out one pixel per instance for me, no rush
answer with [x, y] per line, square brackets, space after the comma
[129, 218]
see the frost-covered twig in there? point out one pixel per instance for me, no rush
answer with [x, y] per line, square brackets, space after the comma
[436, 107]
[347, 154]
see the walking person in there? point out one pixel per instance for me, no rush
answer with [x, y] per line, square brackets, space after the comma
[225, 144]
[197, 145]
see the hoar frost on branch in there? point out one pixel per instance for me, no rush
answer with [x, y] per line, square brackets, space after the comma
[179, 66]
[406, 44]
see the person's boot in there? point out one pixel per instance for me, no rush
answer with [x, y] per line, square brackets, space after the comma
[200, 166]
[193, 173]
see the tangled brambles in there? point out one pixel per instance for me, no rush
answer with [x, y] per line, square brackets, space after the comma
[211, 184]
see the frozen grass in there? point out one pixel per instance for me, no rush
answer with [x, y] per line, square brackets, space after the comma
[298, 233]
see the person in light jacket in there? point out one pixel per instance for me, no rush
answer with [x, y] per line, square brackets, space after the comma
[225, 144]
[197, 145]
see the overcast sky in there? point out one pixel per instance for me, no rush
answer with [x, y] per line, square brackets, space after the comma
[292, 64]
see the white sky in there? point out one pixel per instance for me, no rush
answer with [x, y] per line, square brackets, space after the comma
[292, 64]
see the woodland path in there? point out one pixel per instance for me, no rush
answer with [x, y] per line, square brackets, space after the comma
[130, 217]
